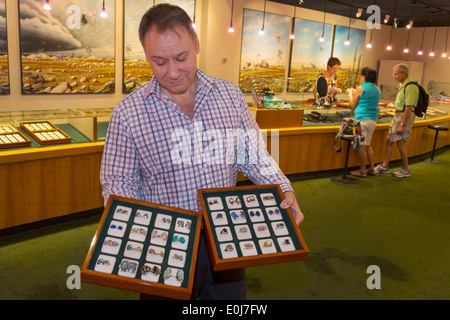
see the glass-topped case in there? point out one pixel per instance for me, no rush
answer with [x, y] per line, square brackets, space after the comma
[41, 128]
[290, 93]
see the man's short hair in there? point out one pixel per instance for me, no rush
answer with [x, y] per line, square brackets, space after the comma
[164, 16]
[403, 68]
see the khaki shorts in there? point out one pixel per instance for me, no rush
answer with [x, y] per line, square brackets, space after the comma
[395, 124]
[367, 128]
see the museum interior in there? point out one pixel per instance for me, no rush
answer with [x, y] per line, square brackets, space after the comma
[65, 65]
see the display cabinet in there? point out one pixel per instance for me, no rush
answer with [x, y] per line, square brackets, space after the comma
[246, 226]
[144, 247]
[101, 118]
[50, 127]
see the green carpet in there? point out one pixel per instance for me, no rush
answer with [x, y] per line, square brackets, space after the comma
[399, 225]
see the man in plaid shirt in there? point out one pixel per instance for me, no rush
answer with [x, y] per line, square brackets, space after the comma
[183, 131]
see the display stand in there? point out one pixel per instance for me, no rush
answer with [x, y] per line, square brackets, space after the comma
[11, 137]
[144, 247]
[45, 132]
[245, 226]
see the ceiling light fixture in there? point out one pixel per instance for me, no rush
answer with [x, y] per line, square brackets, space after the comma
[231, 29]
[423, 33]
[359, 12]
[394, 25]
[292, 36]
[386, 18]
[47, 6]
[444, 55]
[103, 14]
[261, 32]
[322, 38]
[434, 42]
[410, 24]
[194, 25]
[347, 42]
[369, 45]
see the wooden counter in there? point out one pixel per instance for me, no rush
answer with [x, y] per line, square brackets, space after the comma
[44, 183]
[310, 149]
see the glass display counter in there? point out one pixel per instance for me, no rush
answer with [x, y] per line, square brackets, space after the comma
[101, 116]
[51, 127]
[279, 94]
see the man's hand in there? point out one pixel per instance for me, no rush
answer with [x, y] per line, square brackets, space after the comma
[290, 201]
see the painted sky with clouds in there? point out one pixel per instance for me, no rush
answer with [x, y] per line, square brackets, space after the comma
[48, 31]
[256, 48]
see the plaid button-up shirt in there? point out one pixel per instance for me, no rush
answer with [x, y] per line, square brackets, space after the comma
[154, 152]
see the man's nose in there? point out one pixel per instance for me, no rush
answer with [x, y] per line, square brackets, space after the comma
[173, 69]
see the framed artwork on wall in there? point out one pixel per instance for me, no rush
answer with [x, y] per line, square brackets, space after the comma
[4, 69]
[68, 49]
[137, 70]
[349, 55]
[309, 55]
[264, 55]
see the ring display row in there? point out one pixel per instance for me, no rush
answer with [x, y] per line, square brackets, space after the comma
[248, 248]
[130, 241]
[149, 272]
[234, 202]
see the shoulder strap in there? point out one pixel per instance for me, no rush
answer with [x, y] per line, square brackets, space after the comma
[404, 91]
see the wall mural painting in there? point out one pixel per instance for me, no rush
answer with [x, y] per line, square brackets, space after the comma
[68, 49]
[4, 71]
[264, 56]
[137, 70]
[309, 55]
[349, 55]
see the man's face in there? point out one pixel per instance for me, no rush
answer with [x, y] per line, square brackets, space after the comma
[173, 58]
[399, 75]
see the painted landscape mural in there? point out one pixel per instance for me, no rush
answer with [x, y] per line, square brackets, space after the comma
[68, 49]
[264, 55]
[4, 70]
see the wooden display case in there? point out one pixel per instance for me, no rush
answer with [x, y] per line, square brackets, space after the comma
[144, 247]
[11, 137]
[45, 132]
[245, 226]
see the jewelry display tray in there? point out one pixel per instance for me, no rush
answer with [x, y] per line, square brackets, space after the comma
[45, 132]
[114, 274]
[272, 236]
[11, 137]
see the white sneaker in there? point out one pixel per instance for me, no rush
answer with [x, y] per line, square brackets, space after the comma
[380, 169]
[402, 173]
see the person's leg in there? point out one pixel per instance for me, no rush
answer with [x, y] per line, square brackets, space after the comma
[401, 144]
[369, 154]
[362, 158]
[388, 154]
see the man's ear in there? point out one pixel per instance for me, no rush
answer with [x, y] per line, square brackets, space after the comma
[197, 44]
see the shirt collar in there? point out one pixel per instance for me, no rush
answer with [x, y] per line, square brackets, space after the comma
[408, 79]
[204, 83]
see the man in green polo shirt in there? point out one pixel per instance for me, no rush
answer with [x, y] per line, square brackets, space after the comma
[401, 124]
